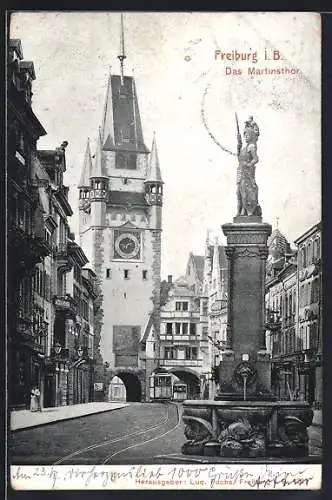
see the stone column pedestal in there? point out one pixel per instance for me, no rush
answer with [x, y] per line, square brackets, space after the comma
[245, 365]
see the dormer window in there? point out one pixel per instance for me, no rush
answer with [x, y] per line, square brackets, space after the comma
[126, 134]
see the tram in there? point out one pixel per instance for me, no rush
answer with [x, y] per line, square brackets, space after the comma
[179, 391]
[166, 387]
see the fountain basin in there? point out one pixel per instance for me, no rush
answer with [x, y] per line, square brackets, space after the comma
[246, 429]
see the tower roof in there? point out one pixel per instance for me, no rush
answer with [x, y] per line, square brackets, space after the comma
[199, 265]
[278, 244]
[98, 165]
[222, 255]
[87, 167]
[121, 124]
[107, 124]
[154, 173]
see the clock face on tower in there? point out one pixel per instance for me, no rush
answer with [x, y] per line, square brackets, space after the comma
[127, 245]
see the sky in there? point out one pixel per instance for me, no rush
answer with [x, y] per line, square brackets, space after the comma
[186, 96]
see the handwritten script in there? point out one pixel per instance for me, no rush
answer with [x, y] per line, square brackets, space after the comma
[218, 476]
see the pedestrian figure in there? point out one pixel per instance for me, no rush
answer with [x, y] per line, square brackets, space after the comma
[35, 399]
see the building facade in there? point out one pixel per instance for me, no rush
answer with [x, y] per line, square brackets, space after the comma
[309, 283]
[293, 306]
[120, 217]
[183, 336]
[215, 298]
[51, 299]
[25, 249]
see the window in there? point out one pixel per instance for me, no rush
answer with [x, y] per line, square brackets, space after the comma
[181, 306]
[193, 330]
[304, 256]
[313, 335]
[126, 274]
[170, 352]
[108, 273]
[85, 308]
[191, 353]
[169, 329]
[185, 328]
[309, 254]
[144, 274]
[77, 274]
[77, 294]
[177, 328]
[205, 308]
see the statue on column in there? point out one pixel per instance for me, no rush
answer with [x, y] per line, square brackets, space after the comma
[247, 190]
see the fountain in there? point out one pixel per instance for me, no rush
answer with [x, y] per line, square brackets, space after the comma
[245, 421]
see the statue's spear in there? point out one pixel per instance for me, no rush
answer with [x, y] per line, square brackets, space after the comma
[237, 124]
[239, 139]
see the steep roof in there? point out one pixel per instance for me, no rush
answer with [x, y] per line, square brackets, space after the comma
[121, 124]
[278, 244]
[87, 167]
[222, 255]
[199, 265]
[98, 169]
[154, 173]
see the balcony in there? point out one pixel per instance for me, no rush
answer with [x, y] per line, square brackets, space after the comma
[62, 256]
[65, 304]
[181, 363]
[26, 336]
[181, 337]
[63, 355]
[273, 323]
[168, 315]
[24, 325]
[25, 249]
[61, 250]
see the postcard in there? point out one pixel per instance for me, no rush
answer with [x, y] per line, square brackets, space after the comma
[164, 250]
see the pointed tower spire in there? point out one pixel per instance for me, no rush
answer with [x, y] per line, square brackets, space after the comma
[122, 56]
[216, 275]
[207, 241]
[154, 174]
[207, 263]
[97, 170]
[87, 167]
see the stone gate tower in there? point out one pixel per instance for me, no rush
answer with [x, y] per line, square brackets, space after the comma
[120, 219]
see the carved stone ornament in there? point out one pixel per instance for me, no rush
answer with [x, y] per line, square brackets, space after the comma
[245, 371]
[246, 430]
[246, 252]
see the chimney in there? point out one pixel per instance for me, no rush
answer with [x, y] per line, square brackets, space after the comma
[169, 278]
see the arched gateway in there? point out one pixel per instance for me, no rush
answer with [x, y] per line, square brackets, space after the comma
[190, 378]
[133, 380]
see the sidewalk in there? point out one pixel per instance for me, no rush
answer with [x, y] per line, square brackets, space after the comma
[24, 419]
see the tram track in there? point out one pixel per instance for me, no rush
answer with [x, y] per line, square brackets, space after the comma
[142, 443]
[83, 453]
